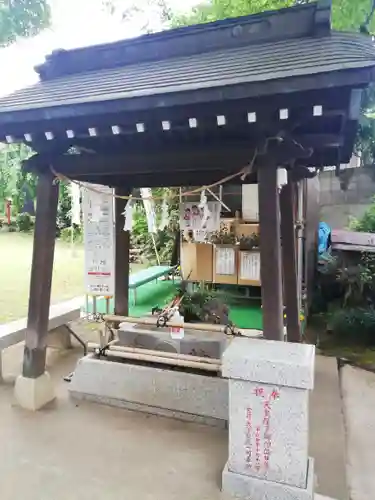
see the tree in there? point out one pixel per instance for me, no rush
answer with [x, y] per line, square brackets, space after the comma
[346, 14]
[153, 15]
[18, 18]
[22, 18]
[15, 183]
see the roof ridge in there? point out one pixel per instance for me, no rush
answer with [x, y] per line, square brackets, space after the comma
[312, 19]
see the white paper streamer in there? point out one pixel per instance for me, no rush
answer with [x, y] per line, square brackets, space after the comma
[282, 177]
[75, 194]
[128, 214]
[164, 215]
[148, 203]
[206, 212]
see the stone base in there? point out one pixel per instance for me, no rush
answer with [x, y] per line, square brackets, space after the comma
[240, 487]
[34, 393]
[152, 410]
[186, 396]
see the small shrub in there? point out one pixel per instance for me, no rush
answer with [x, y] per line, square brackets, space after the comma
[356, 325]
[24, 222]
[203, 304]
[366, 223]
[66, 234]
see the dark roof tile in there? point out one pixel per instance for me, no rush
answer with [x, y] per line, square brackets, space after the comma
[253, 63]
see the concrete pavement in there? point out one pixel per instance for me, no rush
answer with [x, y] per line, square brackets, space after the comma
[358, 389]
[93, 452]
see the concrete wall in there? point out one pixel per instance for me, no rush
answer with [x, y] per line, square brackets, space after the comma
[337, 206]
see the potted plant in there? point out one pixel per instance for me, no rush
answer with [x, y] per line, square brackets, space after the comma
[251, 242]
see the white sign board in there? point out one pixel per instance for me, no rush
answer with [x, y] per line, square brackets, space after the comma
[250, 202]
[225, 261]
[200, 235]
[99, 240]
[191, 216]
[250, 266]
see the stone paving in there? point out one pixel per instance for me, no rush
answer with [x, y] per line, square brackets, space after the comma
[358, 389]
[88, 451]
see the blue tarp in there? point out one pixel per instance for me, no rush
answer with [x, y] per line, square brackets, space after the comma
[324, 237]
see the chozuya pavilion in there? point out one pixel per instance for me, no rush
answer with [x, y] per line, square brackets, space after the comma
[188, 107]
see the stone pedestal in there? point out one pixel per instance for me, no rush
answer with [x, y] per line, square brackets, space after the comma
[34, 393]
[160, 391]
[269, 384]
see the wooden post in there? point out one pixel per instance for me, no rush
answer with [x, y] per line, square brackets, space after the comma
[34, 359]
[288, 246]
[122, 247]
[270, 253]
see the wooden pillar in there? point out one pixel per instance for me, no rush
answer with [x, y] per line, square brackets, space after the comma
[288, 246]
[175, 259]
[34, 359]
[122, 247]
[270, 253]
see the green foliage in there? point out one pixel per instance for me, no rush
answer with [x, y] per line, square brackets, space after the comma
[164, 239]
[24, 222]
[354, 325]
[347, 286]
[366, 132]
[20, 18]
[326, 286]
[66, 234]
[366, 223]
[192, 304]
[347, 282]
[202, 304]
[155, 13]
[215, 10]
[346, 14]
[353, 281]
[13, 179]
[139, 231]
[64, 219]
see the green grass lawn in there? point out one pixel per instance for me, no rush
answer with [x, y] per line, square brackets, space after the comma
[68, 282]
[15, 266]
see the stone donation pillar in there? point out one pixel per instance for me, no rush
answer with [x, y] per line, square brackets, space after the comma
[269, 384]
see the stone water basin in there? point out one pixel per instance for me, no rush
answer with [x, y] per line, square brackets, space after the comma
[195, 343]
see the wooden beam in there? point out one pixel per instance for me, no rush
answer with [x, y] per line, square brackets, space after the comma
[41, 277]
[270, 253]
[122, 247]
[169, 180]
[333, 103]
[288, 245]
[311, 192]
[168, 158]
[146, 162]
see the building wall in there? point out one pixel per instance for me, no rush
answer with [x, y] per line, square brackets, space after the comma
[337, 206]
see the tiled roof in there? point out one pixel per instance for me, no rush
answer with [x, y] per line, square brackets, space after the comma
[248, 64]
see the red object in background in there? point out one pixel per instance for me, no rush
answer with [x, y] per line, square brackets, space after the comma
[9, 205]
